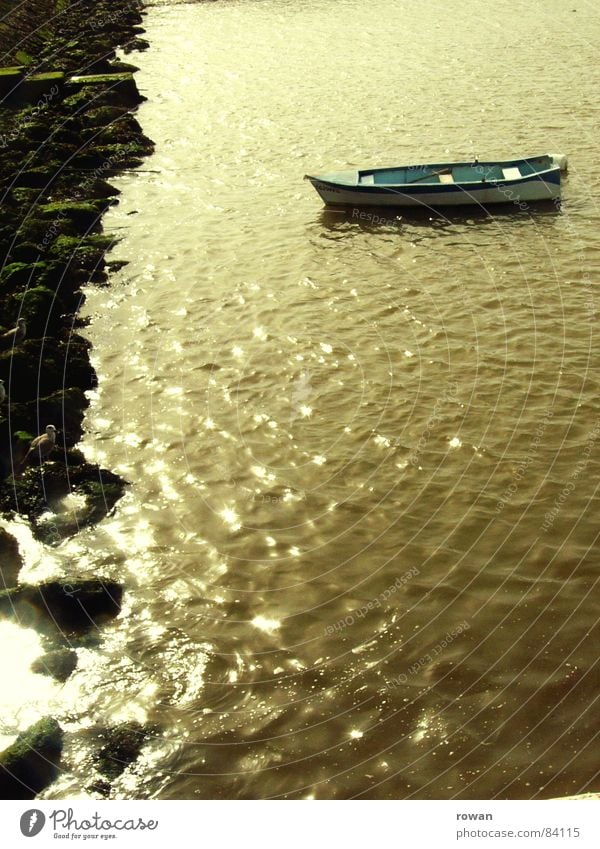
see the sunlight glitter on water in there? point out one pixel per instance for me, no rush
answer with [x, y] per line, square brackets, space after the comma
[30, 694]
[266, 624]
[265, 276]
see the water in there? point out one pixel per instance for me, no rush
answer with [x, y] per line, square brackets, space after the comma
[359, 543]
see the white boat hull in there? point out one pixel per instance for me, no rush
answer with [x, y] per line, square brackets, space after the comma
[534, 190]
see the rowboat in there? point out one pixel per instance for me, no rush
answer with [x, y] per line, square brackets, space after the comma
[446, 184]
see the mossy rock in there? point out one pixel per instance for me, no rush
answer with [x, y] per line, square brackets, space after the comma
[26, 198]
[11, 561]
[35, 88]
[39, 367]
[58, 663]
[24, 58]
[78, 252]
[41, 489]
[121, 746]
[136, 44]
[71, 607]
[119, 67]
[17, 274]
[101, 189]
[121, 88]
[38, 176]
[125, 130]
[65, 409]
[42, 233]
[37, 131]
[23, 275]
[31, 763]
[130, 155]
[104, 115]
[83, 214]
[25, 252]
[40, 308]
[10, 79]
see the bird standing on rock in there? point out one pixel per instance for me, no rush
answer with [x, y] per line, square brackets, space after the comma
[14, 336]
[42, 445]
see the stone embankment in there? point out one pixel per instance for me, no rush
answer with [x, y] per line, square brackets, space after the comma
[67, 125]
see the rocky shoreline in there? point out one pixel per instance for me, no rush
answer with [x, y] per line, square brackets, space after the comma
[67, 125]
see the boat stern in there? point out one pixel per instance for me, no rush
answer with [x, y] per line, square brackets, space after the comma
[559, 160]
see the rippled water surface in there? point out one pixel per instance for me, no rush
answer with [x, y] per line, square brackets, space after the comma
[360, 539]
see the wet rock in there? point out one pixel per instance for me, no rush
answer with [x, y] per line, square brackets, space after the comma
[34, 87]
[40, 308]
[59, 664]
[70, 607]
[64, 408]
[78, 252]
[39, 367]
[31, 763]
[116, 265]
[40, 492]
[122, 745]
[122, 87]
[10, 78]
[25, 252]
[126, 155]
[119, 67]
[41, 233]
[24, 197]
[136, 44]
[101, 787]
[37, 177]
[10, 560]
[52, 170]
[17, 274]
[83, 215]
[121, 131]
[105, 115]
[101, 189]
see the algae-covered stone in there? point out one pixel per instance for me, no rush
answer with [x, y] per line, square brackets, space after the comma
[85, 252]
[64, 408]
[101, 189]
[83, 214]
[122, 87]
[104, 115]
[42, 489]
[70, 607]
[122, 131]
[38, 176]
[31, 763]
[10, 78]
[59, 664]
[39, 367]
[136, 44]
[122, 745]
[34, 87]
[40, 308]
[18, 274]
[25, 252]
[10, 560]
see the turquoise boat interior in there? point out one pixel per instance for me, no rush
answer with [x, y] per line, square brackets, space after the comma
[459, 172]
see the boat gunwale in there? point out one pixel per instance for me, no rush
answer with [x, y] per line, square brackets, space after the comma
[446, 186]
[441, 187]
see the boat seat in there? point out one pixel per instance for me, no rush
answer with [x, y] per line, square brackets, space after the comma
[511, 174]
[446, 178]
[367, 180]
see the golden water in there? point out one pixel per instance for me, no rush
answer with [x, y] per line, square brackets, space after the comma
[360, 539]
